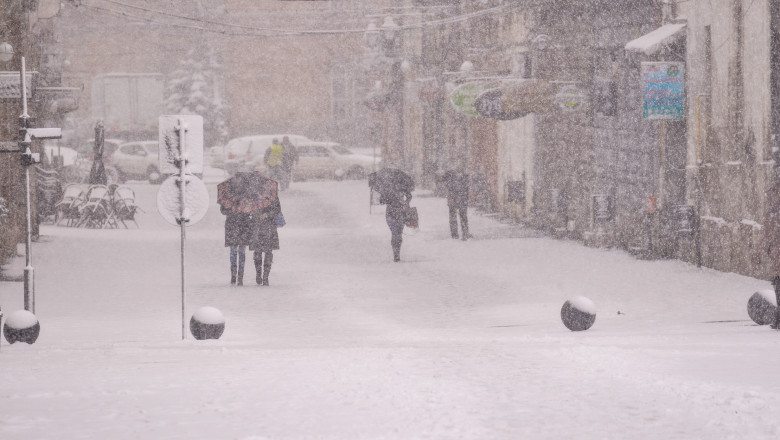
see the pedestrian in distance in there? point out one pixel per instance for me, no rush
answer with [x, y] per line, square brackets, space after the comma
[274, 160]
[247, 199]
[395, 191]
[772, 237]
[456, 183]
[289, 159]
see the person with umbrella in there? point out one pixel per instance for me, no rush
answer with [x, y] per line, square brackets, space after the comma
[250, 202]
[395, 190]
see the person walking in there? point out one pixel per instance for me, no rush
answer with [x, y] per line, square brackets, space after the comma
[395, 190]
[246, 199]
[289, 159]
[265, 237]
[232, 195]
[456, 182]
[274, 160]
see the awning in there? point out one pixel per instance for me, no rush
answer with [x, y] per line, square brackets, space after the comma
[655, 41]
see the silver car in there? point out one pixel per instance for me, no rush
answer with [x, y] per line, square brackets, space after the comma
[331, 160]
[138, 160]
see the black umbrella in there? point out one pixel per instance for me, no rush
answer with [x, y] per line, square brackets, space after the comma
[390, 180]
[97, 175]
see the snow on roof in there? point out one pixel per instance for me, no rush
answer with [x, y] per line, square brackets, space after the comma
[653, 42]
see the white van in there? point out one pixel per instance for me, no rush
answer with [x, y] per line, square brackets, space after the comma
[250, 150]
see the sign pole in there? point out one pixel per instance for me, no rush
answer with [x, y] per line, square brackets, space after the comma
[29, 274]
[182, 129]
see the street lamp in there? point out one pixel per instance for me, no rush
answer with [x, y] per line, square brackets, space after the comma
[6, 52]
[372, 35]
[27, 158]
[389, 30]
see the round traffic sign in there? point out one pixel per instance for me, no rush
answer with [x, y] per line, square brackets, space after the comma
[196, 200]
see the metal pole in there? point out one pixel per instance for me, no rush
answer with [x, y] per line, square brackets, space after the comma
[182, 220]
[29, 274]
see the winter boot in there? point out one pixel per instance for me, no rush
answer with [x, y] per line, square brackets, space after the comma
[269, 259]
[259, 268]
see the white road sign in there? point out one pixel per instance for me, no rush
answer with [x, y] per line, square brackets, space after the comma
[196, 200]
[170, 143]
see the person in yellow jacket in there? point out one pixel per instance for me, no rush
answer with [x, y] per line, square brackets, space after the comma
[274, 160]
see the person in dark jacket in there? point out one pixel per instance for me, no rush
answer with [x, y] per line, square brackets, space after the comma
[265, 239]
[395, 190]
[457, 184]
[247, 200]
[289, 159]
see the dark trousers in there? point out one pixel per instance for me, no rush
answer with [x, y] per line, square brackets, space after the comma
[459, 210]
[395, 221]
[237, 258]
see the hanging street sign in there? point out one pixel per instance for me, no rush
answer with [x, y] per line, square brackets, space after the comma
[570, 98]
[663, 91]
[464, 96]
[9, 147]
[9, 85]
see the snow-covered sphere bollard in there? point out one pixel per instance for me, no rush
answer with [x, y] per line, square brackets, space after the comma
[761, 307]
[207, 323]
[578, 313]
[21, 326]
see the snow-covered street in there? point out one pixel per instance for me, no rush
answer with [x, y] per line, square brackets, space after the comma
[460, 340]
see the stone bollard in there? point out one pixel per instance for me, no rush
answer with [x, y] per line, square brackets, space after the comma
[21, 326]
[578, 313]
[761, 307]
[207, 323]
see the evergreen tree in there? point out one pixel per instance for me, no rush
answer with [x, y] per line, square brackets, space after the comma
[193, 89]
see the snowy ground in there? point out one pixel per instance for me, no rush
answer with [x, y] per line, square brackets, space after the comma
[461, 340]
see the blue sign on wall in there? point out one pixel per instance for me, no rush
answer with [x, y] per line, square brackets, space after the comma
[663, 92]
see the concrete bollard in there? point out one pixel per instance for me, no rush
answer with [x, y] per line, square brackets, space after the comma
[578, 313]
[207, 323]
[21, 326]
[761, 307]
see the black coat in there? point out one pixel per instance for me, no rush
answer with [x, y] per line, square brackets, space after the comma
[250, 203]
[265, 236]
[457, 184]
[238, 228]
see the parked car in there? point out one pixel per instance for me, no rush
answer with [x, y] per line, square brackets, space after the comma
[87, 149]
[215, 157]
[250, 150]
[138, 160]
[331, 160]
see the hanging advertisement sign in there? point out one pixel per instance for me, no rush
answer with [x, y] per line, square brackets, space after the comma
[465, 95]
[515, 99]
[663, 91]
